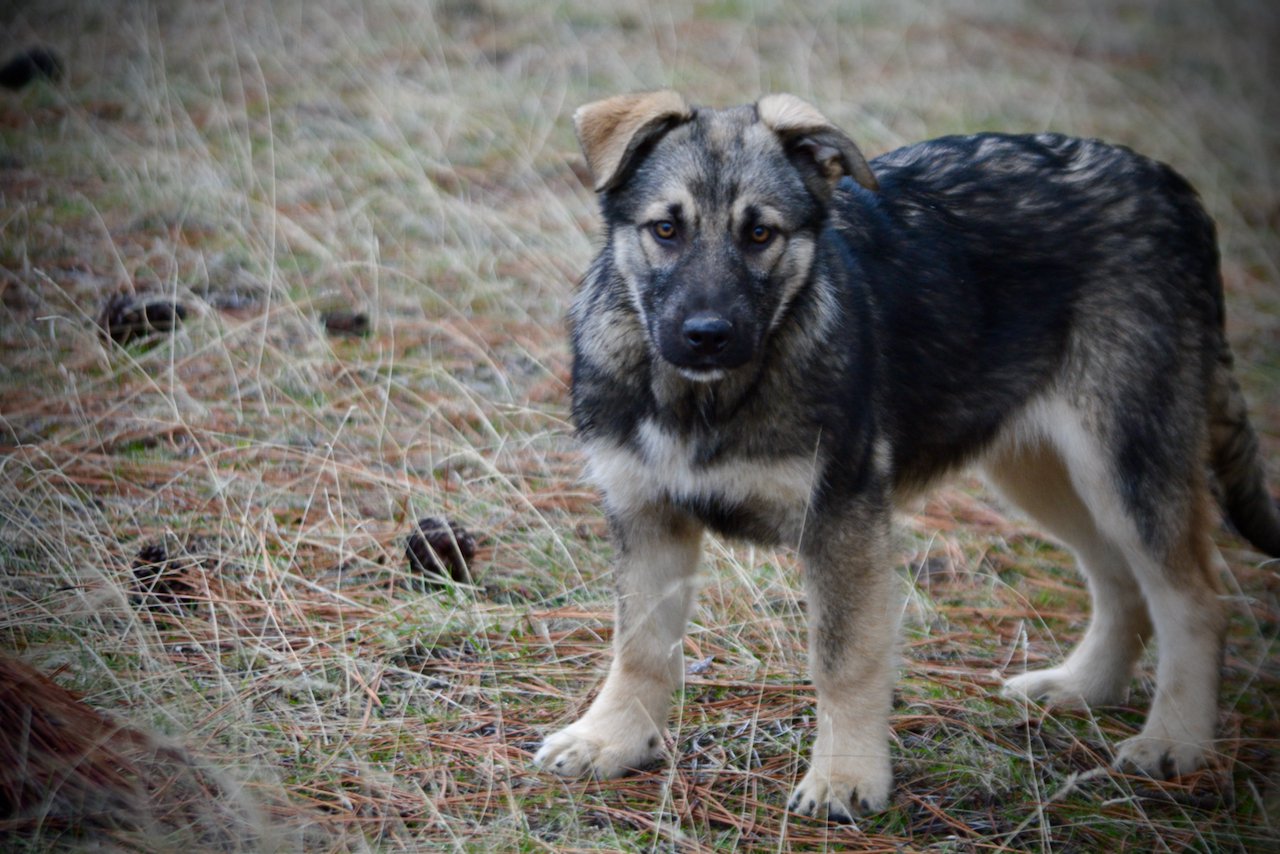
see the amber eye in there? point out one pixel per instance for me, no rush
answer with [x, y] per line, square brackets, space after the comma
[761, 234]
[664, 230]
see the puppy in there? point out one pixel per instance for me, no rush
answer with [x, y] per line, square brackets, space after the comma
[780, 342]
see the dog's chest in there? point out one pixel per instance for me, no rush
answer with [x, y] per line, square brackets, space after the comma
[759, 498]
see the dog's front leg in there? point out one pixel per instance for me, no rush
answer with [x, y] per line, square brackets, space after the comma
[658, 557]
[852, 629]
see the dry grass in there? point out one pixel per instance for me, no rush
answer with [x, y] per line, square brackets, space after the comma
[266, 164]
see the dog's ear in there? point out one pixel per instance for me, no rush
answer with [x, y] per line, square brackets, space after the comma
[612, 131]
[810, 138]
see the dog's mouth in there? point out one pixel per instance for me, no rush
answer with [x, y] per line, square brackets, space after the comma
[702, 375]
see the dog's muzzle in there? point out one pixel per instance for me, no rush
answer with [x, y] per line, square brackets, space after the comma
[703, 342]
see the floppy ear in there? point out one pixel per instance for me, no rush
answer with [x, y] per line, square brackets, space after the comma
[809, 137]
[612, 131]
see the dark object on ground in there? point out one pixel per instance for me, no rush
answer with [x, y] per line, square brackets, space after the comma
[161, 573]
[67, 770]
[441, 547]
[30, 64]
[126, 317]
[67, 752]
[354, 324]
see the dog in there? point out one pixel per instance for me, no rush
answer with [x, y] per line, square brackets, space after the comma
[781, 342]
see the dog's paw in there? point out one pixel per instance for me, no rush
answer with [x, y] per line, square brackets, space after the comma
[583, 749]
[844, 794]
[1158, 757]
[1064, 689]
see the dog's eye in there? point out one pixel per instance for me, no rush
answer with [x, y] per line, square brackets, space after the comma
[761, 235]
[664, 230]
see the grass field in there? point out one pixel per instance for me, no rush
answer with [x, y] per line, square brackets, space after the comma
[202, 534]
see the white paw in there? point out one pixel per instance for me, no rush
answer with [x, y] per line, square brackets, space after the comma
[1063, 688]
[583, 749]
[1160, 757]
[856, 788]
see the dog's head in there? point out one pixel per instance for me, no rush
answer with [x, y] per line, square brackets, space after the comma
[713, 215]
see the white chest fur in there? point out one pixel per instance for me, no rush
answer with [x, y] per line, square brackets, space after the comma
[664, 467]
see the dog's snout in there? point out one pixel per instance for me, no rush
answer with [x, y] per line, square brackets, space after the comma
[704, 339]
[707, 334]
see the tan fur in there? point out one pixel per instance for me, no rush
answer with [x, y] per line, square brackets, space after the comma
[623, 728]
[785, 113]
[1099, 670]
[609, 130]
[788, 115]
[1049, 466]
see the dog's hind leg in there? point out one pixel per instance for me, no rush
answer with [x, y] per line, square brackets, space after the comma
[1183, 593]
[1147, 498]
[1098, 671]
[622, 730]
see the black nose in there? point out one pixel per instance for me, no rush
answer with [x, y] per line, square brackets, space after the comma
[707, 334]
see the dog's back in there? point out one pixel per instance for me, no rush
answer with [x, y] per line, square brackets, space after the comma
[1002, 266]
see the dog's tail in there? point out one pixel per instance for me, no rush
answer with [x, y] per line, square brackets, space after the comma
[1237, 462]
